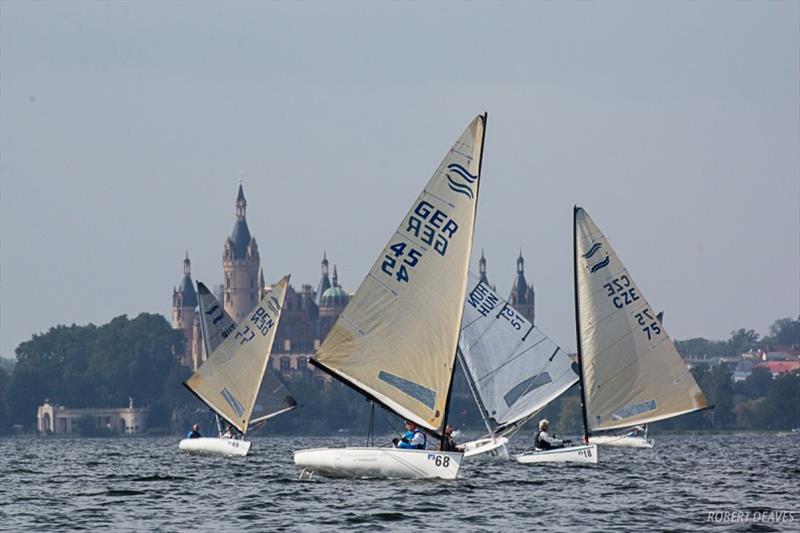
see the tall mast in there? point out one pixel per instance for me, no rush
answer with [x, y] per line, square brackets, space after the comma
[578, 322]
[461, 314]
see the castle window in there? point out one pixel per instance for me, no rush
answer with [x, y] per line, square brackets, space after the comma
[287, 345]
[228, 281]
[286, 365]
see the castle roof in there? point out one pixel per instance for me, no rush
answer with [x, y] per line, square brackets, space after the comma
[240, 239]
[186, 288]
[335, 296]
[240, 236]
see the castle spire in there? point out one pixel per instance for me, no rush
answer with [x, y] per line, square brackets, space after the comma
[335, 277]
[324, 280]
[187, 265]
[241, 202]
[520, 284]
[482, 268]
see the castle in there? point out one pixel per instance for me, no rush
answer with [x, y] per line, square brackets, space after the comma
[307, 315]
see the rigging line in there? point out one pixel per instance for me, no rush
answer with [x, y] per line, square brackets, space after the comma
[389, 422]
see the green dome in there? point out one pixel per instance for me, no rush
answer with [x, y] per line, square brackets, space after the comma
[334, 297]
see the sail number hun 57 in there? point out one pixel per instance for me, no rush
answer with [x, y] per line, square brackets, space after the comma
[428, 224]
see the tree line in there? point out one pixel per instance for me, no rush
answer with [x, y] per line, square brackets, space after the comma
[102, 366]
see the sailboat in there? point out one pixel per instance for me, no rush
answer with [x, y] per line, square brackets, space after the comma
[396, 340]
[228, 382]
[513, 369]
[216, 324]
[631, 372]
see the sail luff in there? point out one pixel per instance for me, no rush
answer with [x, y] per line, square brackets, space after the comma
[396, 339]
[485, 117]
[578, 323]
[632, 372]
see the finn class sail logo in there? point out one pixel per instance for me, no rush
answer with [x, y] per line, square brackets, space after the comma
[455, 173]
[592, 251]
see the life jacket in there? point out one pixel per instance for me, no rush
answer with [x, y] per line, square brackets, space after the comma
[540, 443]
[424, 440]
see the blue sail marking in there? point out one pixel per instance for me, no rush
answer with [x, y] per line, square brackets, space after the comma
[601, 264]
[596, 246]
[463, 172]
[459, 187]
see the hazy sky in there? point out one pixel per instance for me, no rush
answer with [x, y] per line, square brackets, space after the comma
[124, 128]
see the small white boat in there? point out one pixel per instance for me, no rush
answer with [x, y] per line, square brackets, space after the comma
[215, 446]
[487, 449]
[379, 463]
[572, 454]
[230, 379]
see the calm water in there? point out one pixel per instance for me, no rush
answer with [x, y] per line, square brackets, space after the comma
[147, 484]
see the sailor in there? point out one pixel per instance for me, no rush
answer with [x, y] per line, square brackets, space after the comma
[546, 441]
[195, 432]
[229, 434]
[412, 439]
[448, 443]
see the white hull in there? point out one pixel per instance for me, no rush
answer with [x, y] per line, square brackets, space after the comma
[626, 441]
[487, 449]
[215, 446]
[379, 463]
[572, 454]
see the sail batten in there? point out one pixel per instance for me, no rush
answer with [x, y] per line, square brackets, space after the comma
[632, 373]
[230, 379]
[396, 339]
[516, 369]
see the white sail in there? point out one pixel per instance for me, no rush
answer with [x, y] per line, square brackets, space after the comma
[216, 325]
[514, 368]
[396, 339]
[632, 372]
[229, 380]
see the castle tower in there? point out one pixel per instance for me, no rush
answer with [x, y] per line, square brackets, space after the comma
[482, 269]
[324, 281]
[184, 302]
[522, 296]
[240, 265]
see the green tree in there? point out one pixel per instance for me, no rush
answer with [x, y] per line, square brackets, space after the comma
[4, 379]
[757, 383]
[743, 340]
[782, 403]
[785, 332]
[722, 397]
[89, 366]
